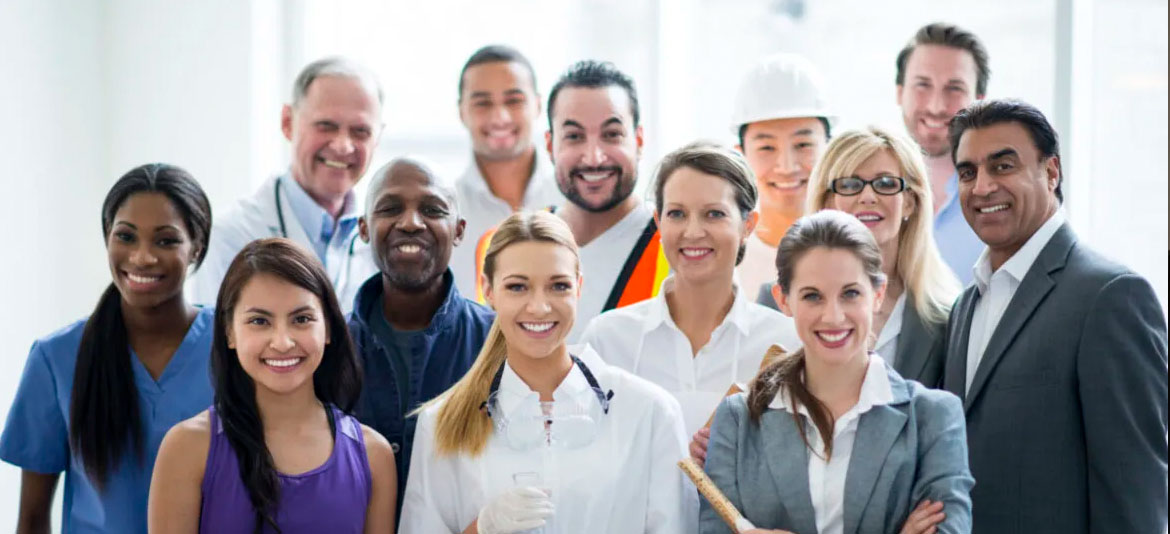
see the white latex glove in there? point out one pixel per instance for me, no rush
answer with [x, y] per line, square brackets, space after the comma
[516, 510]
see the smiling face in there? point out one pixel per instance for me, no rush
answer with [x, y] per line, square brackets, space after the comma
[940, 80]
[782, 154]
[882, 214]
[412, 225]
[149, 250]
[701, 227]
[333, 131]
[832, 302]
[534, 291]
[595, 146]
[1006, 188]
[498, 106]
[278, 330]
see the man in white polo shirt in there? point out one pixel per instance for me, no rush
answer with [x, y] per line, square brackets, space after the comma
[498, 104]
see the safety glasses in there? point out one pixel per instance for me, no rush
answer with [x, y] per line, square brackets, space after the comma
[882, 185]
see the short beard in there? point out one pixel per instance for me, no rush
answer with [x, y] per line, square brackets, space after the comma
[413, 284]
[621, 192]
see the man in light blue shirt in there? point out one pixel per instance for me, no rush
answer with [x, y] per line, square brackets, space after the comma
[942, 70]
[332, 122]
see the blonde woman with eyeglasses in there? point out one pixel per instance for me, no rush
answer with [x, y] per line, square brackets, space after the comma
[880, 178]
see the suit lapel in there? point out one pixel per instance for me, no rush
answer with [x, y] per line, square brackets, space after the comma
[877, 430]
[1036, 285]
[913, 343]
[955, 371]
[787, 459]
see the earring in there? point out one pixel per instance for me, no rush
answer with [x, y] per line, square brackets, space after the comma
[906, 218]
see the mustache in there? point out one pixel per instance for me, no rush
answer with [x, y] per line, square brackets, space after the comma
[577, 171]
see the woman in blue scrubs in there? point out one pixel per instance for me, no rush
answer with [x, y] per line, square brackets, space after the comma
[97, 396]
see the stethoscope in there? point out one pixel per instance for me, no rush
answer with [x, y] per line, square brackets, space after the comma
[603, 398]
[284, 230]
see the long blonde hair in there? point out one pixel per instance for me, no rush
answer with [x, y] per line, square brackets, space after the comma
[920, 266]
[461, 425]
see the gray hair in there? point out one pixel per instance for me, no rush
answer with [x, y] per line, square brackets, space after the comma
[334, 66]
[377, 181]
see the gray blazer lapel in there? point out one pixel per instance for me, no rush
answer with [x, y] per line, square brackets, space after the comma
[914, 343]
[955, 371]
[787, 459]
[1035, 286]
[877, 430]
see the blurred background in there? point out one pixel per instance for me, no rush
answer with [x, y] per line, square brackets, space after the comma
[97, 87]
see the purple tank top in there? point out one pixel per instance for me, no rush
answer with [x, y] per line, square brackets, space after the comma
[330, 498]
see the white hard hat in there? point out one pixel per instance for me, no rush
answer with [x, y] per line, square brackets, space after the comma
[781, 86]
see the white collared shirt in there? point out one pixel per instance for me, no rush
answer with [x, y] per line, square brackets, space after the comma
[601, 263]
[624, 481]
[997, 289]
[826, 480]
[887, 343]
[643, 339]
[483, 211]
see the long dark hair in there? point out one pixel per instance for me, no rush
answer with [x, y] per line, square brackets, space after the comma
[103, 407]
[337, 381]
[828, 229]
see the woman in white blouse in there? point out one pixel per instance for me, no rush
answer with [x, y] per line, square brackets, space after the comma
[880, 178]
[700, 335]
[830, 440]
[540, 435]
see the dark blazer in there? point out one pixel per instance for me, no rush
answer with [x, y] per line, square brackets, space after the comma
[909, 450]
[922, 347]
[1066, 416]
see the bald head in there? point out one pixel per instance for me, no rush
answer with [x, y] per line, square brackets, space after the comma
[408, 169]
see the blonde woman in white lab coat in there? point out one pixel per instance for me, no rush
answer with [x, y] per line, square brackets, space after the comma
[540, 436]
[700, 334]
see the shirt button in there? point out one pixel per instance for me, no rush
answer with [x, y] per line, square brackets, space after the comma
[394, 448]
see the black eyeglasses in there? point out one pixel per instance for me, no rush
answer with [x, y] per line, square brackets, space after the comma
[882, 185]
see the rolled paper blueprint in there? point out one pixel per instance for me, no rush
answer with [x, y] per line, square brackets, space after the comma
[719, 502]
[774, 353]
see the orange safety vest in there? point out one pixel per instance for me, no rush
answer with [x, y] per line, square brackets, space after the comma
[640, 278]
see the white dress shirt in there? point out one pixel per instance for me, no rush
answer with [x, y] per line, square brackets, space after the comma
[997, 289]
[601, 263]
[624, 481]
[643, 339]
[758, 266]
[483, 211]
[887, 343]
[826, 480]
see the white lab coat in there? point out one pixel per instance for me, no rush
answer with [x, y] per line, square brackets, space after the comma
[348, 262]
[644, 340]
[625, 481]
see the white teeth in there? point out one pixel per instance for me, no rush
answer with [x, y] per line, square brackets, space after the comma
[930, 124]
[594, 176]
[788, 185]
[287, 362]
[409, 249]
[869, 217]
[334, 164]
[537, 327]
[695, 252]
[833, 338]
[500, 134]
[993, 209]
[142, 279]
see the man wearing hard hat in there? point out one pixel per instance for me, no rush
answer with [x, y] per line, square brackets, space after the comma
[783, 119]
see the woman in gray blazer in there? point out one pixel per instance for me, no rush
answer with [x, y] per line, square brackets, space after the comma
[831, 440]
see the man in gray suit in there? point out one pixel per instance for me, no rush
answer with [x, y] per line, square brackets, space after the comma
[1058, 354]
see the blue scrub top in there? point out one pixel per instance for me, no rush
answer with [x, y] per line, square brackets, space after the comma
[957, 243]
[36, 436]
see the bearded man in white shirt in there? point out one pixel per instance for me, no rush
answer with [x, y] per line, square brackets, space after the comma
[1059, 354]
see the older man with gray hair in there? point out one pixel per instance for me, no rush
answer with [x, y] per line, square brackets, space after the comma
[333, 122]
[415, 333]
